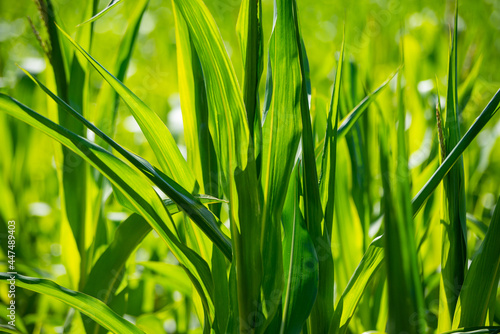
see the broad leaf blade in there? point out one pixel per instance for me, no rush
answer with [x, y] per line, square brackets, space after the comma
[280, 136]
[300, 264]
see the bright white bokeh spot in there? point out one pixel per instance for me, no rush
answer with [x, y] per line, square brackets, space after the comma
[39, 209]
[33, 65]
[117, 216]
[170, 326]
[131, 125]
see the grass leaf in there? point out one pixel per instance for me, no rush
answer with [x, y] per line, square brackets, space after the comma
[90, 306]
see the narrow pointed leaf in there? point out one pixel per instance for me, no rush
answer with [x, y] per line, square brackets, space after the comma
[111, 4]
[369, 265]
[155, 131]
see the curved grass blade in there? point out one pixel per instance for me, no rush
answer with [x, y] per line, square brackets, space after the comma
[480, 122]
[89, 306]
[134, 186]
[300, 263]
[350, 119]
[107, 100]
[157, 134]
[187, 202]
[368, 266]
[346, 124]
[480, 286]
[110, 5]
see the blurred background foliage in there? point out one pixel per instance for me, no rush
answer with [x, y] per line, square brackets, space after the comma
[28, 178]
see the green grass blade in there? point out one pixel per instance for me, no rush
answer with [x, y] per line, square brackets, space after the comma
[465, 89]
[406, 309]
[280, 135]
[205, 220]
[452, 157]
[454, 234]
[300, 264]
[224, 97]
[107, 100]
[313, 213]
[230, 132]
[195, 114]
[350, 119]
[321, 314]
[158, 136]
[346, 124]
[133, 185]
[195, 117]
[89, 306]
[107, 273]
[250, 35]
[110, 5]
[369, 265]
[480, 286]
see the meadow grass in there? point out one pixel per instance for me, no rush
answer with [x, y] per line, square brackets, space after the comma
[289, 213]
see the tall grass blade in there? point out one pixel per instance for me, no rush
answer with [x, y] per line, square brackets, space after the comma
[250, 35]
[280, 135]
[406, 308]
[321, 314]
[313, 213]
[230, 132]
[107, 273]
[454, 235]
[300, 263]
[107, 100]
